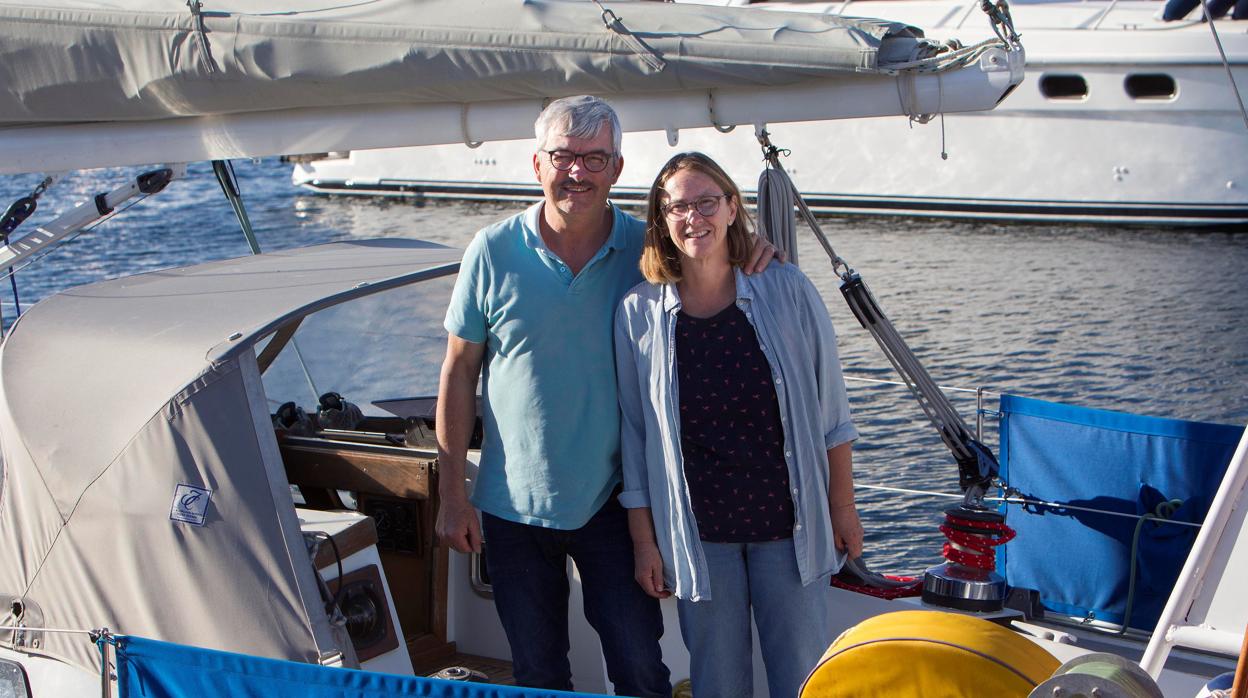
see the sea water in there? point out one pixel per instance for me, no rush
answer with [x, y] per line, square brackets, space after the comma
[1145, 320]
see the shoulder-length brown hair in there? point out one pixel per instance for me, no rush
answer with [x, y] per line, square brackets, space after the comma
[660, 260]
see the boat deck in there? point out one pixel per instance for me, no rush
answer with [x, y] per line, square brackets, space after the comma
[497, 671]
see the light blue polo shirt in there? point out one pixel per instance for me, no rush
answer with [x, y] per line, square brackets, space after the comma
[551, 450]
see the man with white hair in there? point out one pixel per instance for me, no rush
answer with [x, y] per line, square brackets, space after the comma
[533, 306]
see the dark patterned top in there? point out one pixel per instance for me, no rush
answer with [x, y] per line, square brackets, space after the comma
[730, 432]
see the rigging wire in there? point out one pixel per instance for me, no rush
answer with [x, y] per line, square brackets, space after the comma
[1243, 113]
[228, 179]
[72, 236]
[1023, 501]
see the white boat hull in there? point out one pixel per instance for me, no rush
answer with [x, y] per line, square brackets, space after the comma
[1105, 157]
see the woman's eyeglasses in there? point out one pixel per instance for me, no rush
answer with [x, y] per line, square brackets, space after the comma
[563, 160]
[706, 206]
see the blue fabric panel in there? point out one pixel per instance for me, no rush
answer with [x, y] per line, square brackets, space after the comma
[154, 669]
[1080, 561]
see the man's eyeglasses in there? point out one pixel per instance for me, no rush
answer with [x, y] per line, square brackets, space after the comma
[706, 206]
[563, 160]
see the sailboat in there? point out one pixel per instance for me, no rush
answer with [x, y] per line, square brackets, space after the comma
[195, 540]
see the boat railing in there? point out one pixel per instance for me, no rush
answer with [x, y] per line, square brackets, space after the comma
[1104, 13]
[1008, 496]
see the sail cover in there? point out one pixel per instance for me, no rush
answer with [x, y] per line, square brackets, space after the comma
[67, 61]
[127, 82]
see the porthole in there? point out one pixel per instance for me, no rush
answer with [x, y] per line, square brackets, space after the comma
[1151, 86]
[1063, 86]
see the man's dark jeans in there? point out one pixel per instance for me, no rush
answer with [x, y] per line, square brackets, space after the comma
[528, 569]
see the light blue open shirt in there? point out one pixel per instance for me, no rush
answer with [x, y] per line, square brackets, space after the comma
[795, 333]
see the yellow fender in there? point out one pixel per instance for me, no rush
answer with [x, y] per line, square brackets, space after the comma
[929, 654]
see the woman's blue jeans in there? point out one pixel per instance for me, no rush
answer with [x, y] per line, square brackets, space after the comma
[528, 570]
[792, 621]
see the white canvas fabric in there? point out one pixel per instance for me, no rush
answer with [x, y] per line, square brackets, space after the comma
[115, 394]
[67, 61]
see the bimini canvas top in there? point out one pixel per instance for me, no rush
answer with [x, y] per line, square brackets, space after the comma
[117, 397]
[98, 361]
[129, 82]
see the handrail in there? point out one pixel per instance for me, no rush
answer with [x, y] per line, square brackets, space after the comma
[1104, 13]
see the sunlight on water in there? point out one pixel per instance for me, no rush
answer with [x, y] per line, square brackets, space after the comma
[1141, 320]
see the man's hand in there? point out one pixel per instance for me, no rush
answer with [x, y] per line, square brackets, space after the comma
[847, 529]
[457, 526]
[761, 255]
[648, 570]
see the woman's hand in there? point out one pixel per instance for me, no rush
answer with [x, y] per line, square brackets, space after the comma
[648, 570]
[847, 529]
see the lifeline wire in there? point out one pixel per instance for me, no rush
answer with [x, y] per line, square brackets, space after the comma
[48, 630]
[1023, 500]
[1226, 65]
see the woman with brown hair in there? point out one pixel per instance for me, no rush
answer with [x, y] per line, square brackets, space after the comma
[735, 438]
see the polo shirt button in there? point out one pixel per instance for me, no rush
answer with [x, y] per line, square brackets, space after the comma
[789, 454]
[795, 490]
[797, 527]
[779, 379]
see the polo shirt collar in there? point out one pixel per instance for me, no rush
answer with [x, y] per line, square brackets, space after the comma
[533, 236]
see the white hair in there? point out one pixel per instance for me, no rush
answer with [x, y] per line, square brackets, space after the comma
[578, 117]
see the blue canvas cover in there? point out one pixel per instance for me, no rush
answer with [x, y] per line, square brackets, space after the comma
[1081, 561]
[154, 669]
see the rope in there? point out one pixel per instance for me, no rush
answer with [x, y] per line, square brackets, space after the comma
[775, 212]
[1162, 512]
[951, 57]
[775, 208]
[952, 54]
[776, 199]
[971, 542]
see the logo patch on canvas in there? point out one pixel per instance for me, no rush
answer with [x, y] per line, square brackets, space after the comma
[190, 504]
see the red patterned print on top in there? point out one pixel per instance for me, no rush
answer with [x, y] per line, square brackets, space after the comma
[730, 431]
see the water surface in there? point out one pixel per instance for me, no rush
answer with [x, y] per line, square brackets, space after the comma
[1144, 320]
